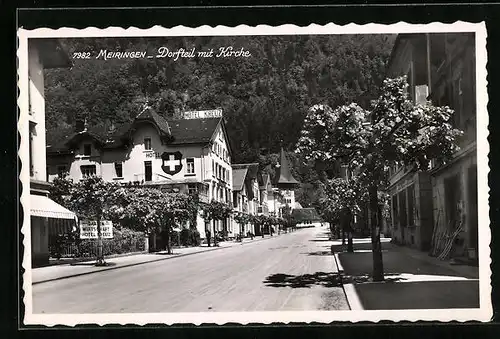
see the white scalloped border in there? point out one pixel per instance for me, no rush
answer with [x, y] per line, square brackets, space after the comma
[484, 313]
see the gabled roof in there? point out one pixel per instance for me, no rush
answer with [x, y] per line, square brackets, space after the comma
[305, 214]
[177, 132]
[149, 115]
[193, 131]
[253, 169]
[70, 142]
[239, 176]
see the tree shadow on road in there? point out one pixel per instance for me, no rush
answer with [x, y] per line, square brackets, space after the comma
[303, 281]
[319, 253]
[365, 278]
[91, 264]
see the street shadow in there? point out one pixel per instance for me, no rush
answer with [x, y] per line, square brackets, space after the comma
[339, 248]
[91, 264]
[321, 239]
[364, 278]
[303, 281]
[319, 253]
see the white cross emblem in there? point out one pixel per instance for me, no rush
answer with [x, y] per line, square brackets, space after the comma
[172, 163]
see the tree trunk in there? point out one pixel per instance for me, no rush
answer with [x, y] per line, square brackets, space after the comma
[378, 265]
[215, 235]
[169, 249]
[350, 245]
[100, 252]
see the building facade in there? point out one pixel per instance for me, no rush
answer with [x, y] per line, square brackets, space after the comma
[440, 68]
[186, 156]
[47, 218]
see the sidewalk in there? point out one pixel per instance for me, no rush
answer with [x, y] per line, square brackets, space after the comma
[413, 279]
[63, 271]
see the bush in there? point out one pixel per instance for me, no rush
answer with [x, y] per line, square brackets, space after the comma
[124, 241]
[190, 237]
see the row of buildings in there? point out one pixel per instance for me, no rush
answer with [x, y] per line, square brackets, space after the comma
[189, 155]
[440, 68]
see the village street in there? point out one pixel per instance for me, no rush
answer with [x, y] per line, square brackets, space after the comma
[293, 271]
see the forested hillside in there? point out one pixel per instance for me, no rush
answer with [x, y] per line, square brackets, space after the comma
[264, 97]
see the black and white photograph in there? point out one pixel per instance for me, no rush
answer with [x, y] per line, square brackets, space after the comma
[254, 174]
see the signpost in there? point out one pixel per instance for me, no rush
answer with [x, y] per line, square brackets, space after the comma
[88, 230]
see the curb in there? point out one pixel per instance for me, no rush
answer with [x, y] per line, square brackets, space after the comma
[141, 263]
[123, 266]
[352, 297]
[349, 289]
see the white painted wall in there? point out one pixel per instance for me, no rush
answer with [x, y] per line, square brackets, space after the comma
[37, 116]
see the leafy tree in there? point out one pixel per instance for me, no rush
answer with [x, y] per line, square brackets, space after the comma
[395, 132]
[343, 199]
[60, 190]
[242, 219]
[90, 199]
[216, 210]
[136, 208]
[174, 209]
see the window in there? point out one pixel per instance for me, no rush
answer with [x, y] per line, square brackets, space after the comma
[213, 168]
[190, 166]
[395, 217]
[403, 221]
[147, 144]
[235, 199]
[118, 169]
[88, 170]
[148, 171]
[87, 149]
[410, 191]
[452, 188]
[192, 189]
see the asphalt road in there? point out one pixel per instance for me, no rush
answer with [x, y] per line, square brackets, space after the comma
[290, 272]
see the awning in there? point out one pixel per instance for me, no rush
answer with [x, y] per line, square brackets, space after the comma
[41, 206]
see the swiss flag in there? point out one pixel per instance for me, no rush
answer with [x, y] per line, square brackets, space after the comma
[171, 162]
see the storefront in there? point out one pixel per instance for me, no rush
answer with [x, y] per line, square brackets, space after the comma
[48, 218]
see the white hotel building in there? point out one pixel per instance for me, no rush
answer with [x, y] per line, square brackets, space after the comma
[187, 155]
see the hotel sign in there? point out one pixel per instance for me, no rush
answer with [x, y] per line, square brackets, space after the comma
[153, 155]
[88, 230]
[213, 113]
